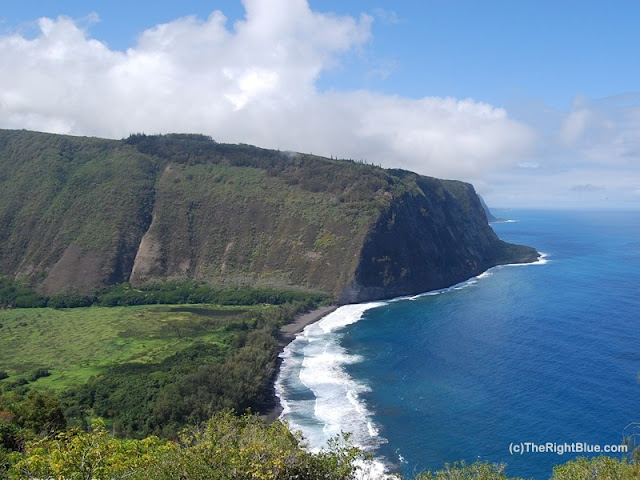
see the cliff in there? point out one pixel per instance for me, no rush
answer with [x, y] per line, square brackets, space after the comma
[491, 218]
[432, 236]
[77, 214]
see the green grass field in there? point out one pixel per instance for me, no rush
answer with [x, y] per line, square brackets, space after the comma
[74, 344]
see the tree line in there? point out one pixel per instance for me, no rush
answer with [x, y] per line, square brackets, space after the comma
[14, 294]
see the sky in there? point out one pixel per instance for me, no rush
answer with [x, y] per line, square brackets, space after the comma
[537, 103]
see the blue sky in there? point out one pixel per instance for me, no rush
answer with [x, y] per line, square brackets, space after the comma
[535, 102]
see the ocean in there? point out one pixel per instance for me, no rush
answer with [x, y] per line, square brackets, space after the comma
[537, 355]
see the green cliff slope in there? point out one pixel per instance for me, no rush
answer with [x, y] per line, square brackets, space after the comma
[78, 214]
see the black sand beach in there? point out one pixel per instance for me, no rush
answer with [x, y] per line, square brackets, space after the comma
[287, 333]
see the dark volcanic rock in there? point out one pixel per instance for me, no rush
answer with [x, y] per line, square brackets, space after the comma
[430, 239]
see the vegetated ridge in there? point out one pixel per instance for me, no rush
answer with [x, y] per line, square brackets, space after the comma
[78, 214]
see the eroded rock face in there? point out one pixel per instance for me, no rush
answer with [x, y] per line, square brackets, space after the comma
[429, 239]
[78, 214]
[76, 267]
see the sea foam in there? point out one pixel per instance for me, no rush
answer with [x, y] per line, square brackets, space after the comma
[316, 362]
[319, 398]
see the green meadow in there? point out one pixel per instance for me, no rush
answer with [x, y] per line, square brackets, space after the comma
[77, 343]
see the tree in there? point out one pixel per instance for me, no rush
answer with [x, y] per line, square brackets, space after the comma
[596, 468]
[475, 471]
[226, 447]
[79, 455]
[40, 413]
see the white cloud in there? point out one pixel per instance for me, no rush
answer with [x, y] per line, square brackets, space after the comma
[528, 165]
[604, 132]
[575, 187]
[387, 16]
[585, 157]
[253, 82]
[574, 125]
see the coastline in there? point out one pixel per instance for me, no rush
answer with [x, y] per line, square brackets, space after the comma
[286, 335]
[289, 331]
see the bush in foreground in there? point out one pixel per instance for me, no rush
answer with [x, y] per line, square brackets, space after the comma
[475, 471]
[597, 468]
[226, 447]
[239, 448]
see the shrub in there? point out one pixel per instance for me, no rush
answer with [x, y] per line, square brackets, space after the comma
[39, 373]
[71, 300]
[462, 471]
[596, 468]
[226, 447]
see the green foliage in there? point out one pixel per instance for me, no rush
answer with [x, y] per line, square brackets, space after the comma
[86, 197]
[146, 369]
[226, 447]
[12, 434]
[190, 385]
[15, 295]
[76, 344]
[72, 300]
[80, 455]
[90, 201]
[597, 468]
[474, 471]
[23, 418]
[172, 293]
[35, 444]
[38, 413]
[39, 373]
[80, 214]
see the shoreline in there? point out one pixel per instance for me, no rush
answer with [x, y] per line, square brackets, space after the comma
[289, 331]
[286, 335]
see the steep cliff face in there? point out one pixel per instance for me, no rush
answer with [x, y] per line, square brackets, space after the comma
[72, 210]
[433, 236]
[237, 225]
[491, 218]
[77, 214]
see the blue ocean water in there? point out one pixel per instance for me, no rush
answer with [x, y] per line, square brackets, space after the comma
[548, 352]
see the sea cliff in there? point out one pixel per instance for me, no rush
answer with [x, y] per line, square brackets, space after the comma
[78, 214]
